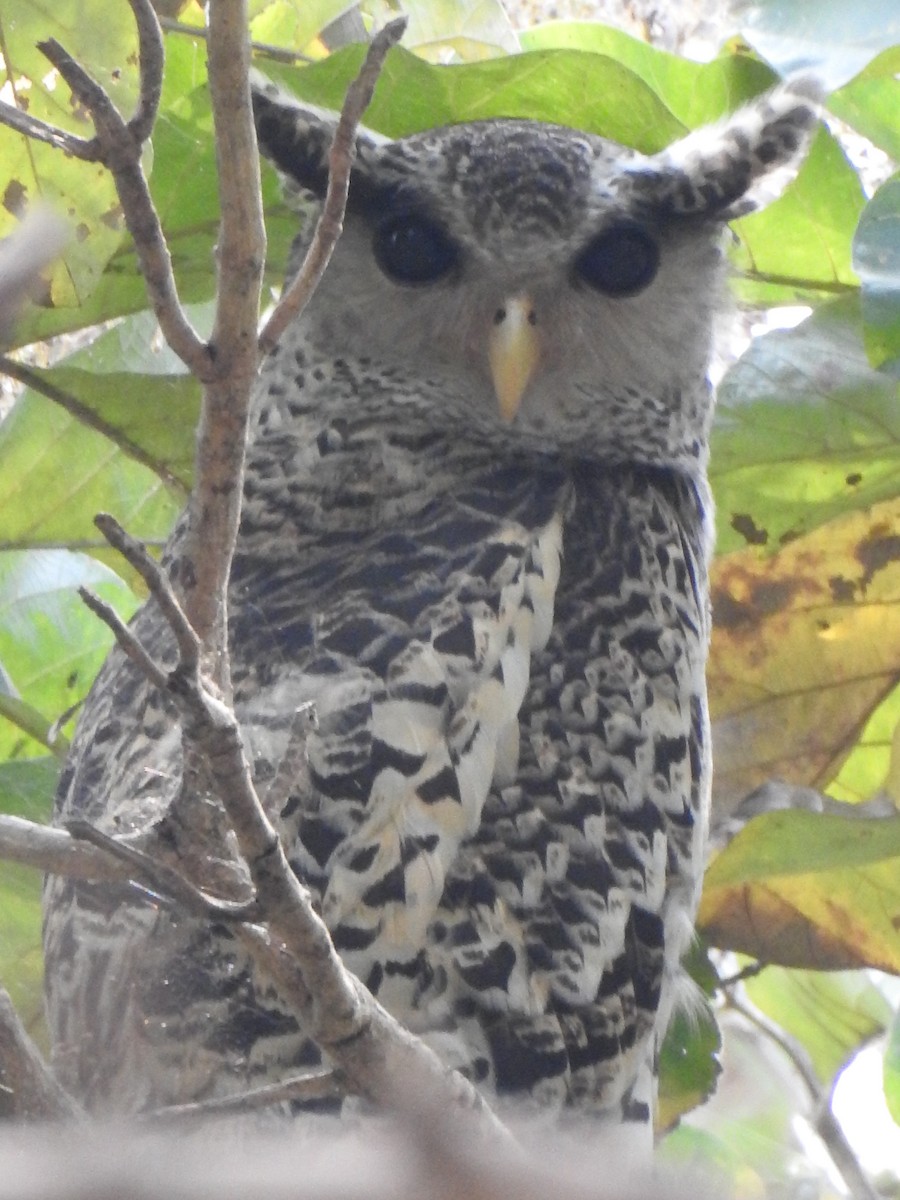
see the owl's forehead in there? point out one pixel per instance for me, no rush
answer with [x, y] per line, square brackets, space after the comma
[506, 174]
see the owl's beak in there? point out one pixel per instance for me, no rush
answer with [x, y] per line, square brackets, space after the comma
[513, 352]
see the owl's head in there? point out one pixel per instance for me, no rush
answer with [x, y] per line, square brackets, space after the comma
[527, 281]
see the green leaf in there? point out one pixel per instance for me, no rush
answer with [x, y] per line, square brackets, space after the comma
[871, 102]
[293, 24]
[876, 259]
[32, 170]
[866, 770]
[830, 39]
[587, 91]
[805, 431]
[26, 790]
[51, 645]
[696, 93]
[831, 1014]
[184, 189]
[801, 244]
[808, 890]
[56, 472]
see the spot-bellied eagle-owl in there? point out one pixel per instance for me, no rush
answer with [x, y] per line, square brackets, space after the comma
[474, 540]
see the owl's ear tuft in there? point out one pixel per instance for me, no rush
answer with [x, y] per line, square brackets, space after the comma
[744, 162]
[296, 137]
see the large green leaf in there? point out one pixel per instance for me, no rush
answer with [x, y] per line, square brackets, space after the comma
[870, 103]
[587, 91]
[56, 472]
[805, 431]
[695, 93]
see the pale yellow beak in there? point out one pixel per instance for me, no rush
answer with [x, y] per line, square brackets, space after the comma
[513, 352]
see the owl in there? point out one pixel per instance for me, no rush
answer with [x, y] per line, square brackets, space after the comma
[473, 553]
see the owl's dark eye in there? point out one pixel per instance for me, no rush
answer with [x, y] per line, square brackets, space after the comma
[620, 261]
[414, 249]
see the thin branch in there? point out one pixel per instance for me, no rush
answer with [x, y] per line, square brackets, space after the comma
[41, 131]
[28, 1089]
[56, 852]
[151, 61]
[124, 637]
[292, 766]
[277, 53]
[340, 161]
[165, 881]
[214, 508]
[319, 1085]
[157, 581]
[825, 1122]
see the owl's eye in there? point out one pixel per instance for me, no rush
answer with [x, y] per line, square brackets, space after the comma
[620, 261]
[413, 249]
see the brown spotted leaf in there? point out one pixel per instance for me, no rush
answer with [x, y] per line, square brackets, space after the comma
[806, 644]
[808, 890]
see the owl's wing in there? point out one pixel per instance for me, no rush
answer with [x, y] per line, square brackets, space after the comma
[414, 650]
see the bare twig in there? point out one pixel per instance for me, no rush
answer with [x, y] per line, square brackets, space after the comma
[319, 1085]
[56, 851]
[293, 762]
[340, 161]
[164, 880]
[28, 1090]
[151, 57]
[825, 1122]
[277, 53]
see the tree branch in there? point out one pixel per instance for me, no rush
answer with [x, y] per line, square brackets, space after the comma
[28, 1089]
[340, 161]
[824, 1121]
[319, 1085]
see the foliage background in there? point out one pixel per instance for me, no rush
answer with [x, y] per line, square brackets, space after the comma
[805, 667]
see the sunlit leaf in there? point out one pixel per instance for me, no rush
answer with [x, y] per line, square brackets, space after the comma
[871, 102]
[808, 890]
[31, 171]
[867, 770]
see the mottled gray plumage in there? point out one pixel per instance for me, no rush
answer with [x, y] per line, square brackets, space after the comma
[475, 539]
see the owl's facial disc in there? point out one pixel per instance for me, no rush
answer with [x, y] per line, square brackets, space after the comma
[514, 352]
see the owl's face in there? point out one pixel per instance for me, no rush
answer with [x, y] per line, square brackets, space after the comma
[530, 282]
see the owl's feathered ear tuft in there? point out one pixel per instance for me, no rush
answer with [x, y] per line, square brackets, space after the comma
[744, 162]
[296, 137]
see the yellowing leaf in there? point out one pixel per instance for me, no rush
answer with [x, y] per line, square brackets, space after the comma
[808, 890]
[806, 644]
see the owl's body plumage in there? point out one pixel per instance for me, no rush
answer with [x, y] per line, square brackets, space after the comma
[488, 581]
